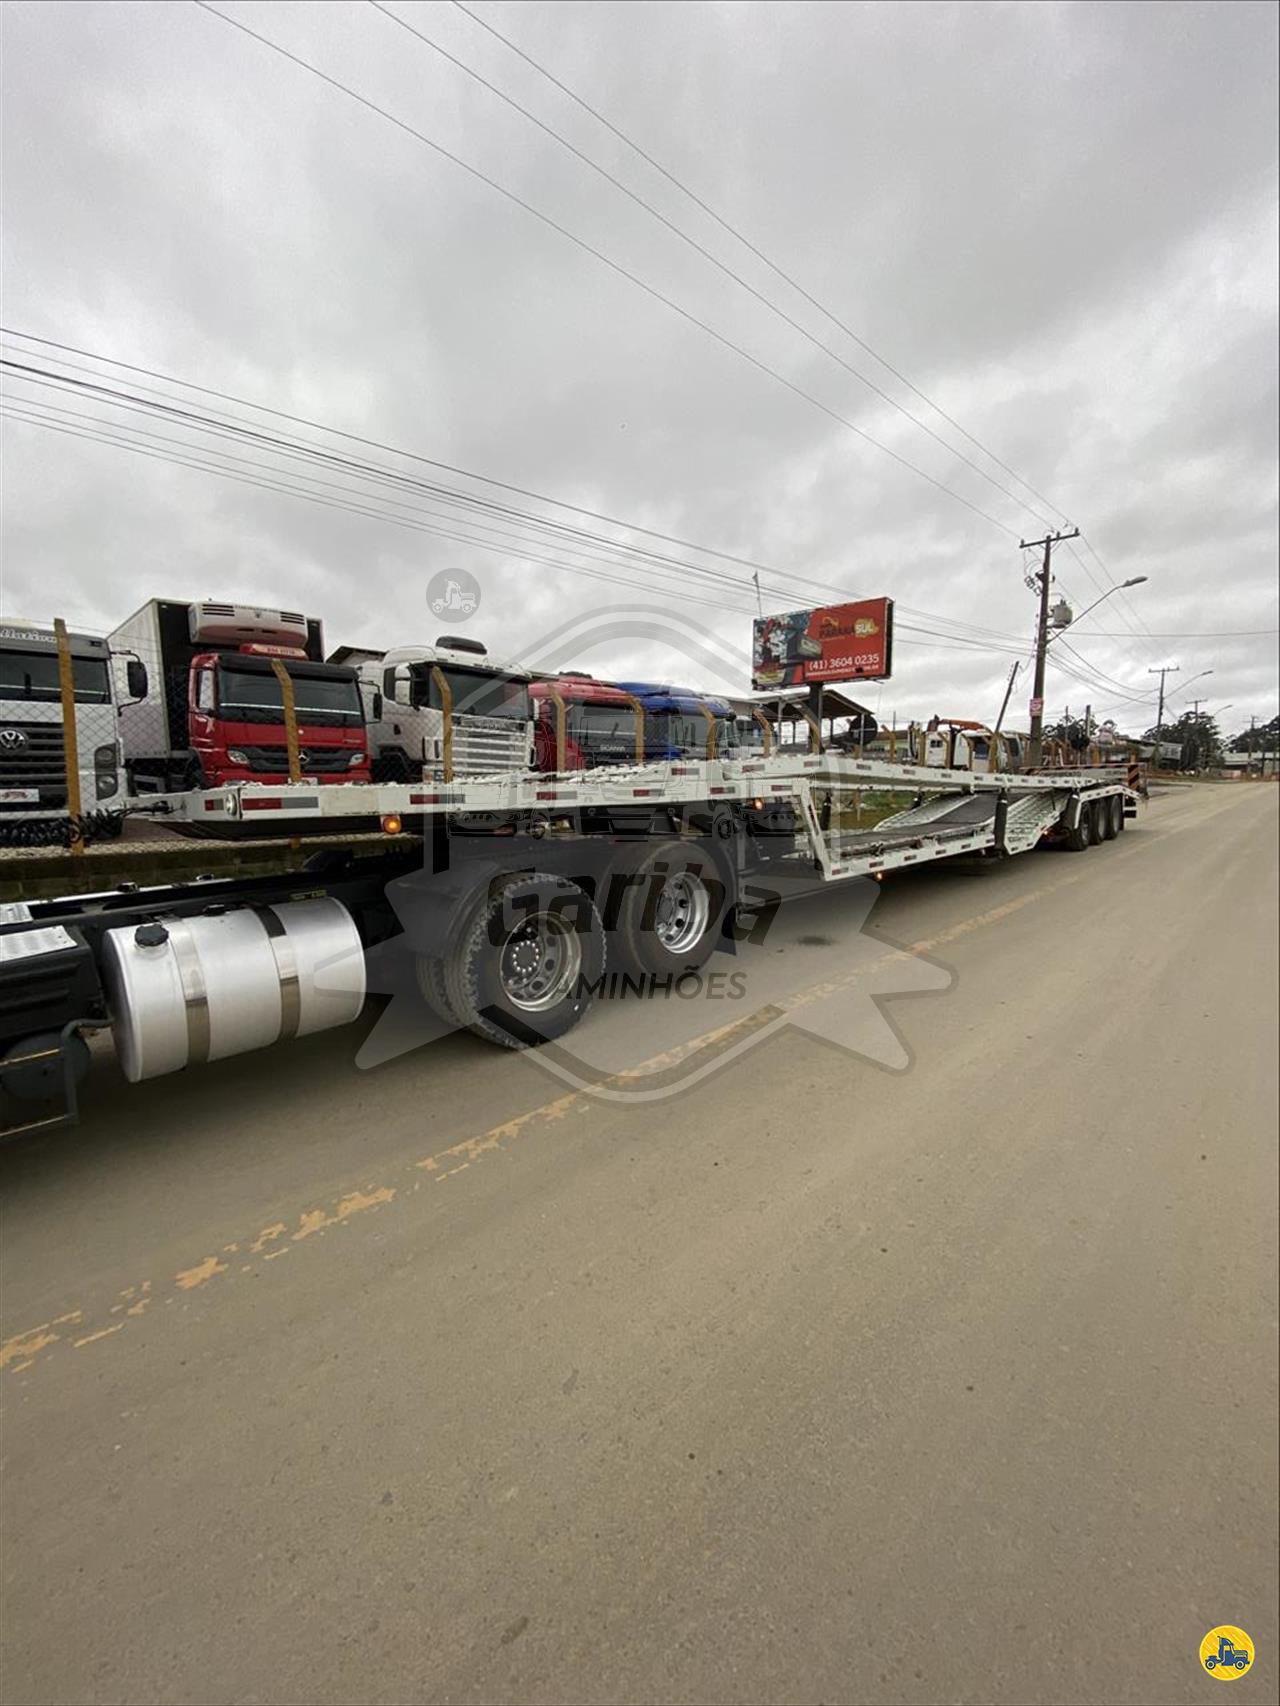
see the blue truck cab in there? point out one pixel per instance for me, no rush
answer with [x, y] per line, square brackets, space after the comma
[675, 720]
[675, 726]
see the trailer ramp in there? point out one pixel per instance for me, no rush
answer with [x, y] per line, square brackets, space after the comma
[936, 828]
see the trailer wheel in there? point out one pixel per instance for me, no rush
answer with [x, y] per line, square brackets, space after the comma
[672, 909]
[1117, 815]
[1081, 838]
[528, 963]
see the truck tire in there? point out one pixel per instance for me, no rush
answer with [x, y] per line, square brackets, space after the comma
[432, 988]
[528, 962]
[672, 909]
[1117, 815]
[1081, 838]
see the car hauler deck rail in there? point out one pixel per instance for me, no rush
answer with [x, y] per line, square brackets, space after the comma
[509, 931]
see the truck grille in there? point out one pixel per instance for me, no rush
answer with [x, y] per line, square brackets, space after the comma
[316, 760]
[483, 745]
[32, 756]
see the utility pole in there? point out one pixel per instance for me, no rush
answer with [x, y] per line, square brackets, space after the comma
[1167, 669]
[1004, 704]
[1042, 639]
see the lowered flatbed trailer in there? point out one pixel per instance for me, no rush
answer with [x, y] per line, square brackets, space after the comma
[511, 893]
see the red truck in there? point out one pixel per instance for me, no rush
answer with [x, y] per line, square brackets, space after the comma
[599, 723]
[206, 705]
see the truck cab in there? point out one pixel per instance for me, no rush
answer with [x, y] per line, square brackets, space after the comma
[599, 724]
[213, 709]
[33, 747]
[675, 721]
[235, 718]
[409, 691]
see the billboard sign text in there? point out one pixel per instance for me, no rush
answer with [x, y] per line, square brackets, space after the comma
[840, 642]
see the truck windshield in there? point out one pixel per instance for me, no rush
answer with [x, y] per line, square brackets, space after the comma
[474, 694]
[34, 675]
[253, 696]
[600, 724]
[678, 732]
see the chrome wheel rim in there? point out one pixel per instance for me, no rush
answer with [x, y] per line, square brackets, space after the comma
[682, 912]
[540, 962]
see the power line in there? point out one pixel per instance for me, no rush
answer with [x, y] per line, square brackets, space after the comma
[1084, 663]
[222, 423]
[692, 242]
[77, 424]
[1125, 601]
[170, 410]
[121, 443]
[605, 260]
[498, 540]
[773, 266]
[1190, 634]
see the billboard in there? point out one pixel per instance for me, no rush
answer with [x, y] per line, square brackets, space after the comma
[841, 642]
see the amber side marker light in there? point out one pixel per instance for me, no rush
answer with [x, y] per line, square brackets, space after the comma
[392, 824]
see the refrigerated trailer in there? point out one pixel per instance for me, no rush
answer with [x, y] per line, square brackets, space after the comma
[509, 932]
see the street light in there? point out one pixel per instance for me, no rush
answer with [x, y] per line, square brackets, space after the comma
[1192, 682]
[1043, 639]
[1076, 621]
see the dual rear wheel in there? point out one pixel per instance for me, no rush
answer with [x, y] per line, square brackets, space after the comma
[530, 955]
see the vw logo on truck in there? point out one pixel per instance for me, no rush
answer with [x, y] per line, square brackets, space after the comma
[12, 740]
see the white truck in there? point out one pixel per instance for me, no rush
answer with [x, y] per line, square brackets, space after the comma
[35, 799]
[411, 692]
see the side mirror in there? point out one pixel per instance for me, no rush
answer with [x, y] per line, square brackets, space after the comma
[375, 708]
[135, 674]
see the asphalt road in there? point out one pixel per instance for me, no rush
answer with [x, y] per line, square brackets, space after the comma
[944, 1375]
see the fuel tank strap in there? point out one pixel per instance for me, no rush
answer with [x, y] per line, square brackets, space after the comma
[195, 993]
[286, 968]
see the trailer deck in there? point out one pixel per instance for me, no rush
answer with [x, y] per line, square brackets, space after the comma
[222, 938]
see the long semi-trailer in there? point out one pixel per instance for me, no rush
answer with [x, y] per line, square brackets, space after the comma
[509, 931]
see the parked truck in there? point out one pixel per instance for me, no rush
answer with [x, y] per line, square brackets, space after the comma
[35, 796]
[417, 696]
[680, 723]
[600, 723]
[212, 707]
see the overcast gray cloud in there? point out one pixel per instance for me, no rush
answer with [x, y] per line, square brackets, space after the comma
[1059, 221]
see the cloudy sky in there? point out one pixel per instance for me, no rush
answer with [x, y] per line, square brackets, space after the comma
[1056, 222]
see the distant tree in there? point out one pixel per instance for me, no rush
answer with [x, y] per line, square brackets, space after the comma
[1201, 741]
[1263, 737]
[1197, 738]
[1070, 729]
